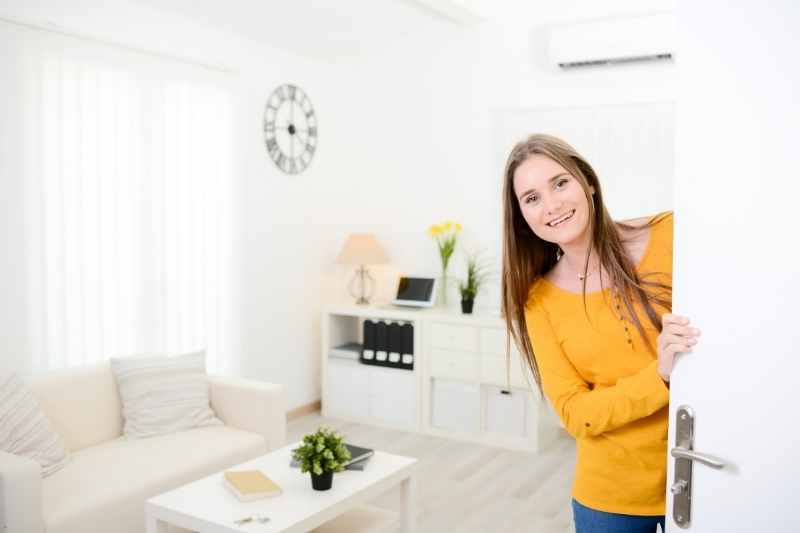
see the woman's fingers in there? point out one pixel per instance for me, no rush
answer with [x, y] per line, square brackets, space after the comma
[670, 321]
[667, 339]
[682, 334]
[687, 331]
[669, 318]
[675, 349]
[677, 336]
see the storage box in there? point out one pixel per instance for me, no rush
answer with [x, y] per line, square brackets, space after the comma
[456, 406]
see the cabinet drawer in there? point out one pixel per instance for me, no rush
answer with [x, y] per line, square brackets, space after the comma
[453, 337]
[393, 397]
[506, 413]
[455, 365]
[493, 371]
[493, 341]
[348, 387]
[456, 406]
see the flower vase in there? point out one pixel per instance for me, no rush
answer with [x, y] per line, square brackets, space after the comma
[442, 290]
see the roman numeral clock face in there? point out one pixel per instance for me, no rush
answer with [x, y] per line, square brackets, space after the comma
[290, 129]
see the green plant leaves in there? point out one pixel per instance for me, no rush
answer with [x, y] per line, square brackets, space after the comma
[478, 272]
[320, 452]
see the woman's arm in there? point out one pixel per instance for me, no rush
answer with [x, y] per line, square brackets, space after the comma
[586, 412]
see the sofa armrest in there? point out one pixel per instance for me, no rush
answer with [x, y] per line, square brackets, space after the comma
[20, 495]
[251, 405]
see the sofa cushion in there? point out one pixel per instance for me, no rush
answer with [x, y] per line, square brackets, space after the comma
[24, 430]
[105, 487]
[163, 394]
[82, 404]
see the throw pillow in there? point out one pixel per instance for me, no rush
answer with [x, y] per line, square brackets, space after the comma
[25, 430]
[162, 394]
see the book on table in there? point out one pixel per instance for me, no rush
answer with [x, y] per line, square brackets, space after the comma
[358, 454]
[249, 485]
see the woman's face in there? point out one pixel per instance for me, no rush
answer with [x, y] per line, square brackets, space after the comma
[552, 201]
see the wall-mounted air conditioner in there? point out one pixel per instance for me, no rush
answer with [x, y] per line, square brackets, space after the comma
[613, 41]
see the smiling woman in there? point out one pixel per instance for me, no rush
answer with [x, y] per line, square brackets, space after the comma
[553, 200]
[576, 287]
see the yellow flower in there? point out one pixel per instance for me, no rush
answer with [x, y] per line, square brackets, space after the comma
[458, 227]
[434, 230]
[448, 225]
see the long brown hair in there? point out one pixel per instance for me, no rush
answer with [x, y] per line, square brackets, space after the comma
[526, 257]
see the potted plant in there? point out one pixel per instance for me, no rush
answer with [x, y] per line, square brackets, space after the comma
[322, 453]
[477, 274]
[446, 237]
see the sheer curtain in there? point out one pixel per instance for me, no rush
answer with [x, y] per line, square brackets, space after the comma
[127, 161]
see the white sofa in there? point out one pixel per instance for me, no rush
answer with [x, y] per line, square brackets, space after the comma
[104, 487]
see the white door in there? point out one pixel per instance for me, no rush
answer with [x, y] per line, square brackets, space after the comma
[737, 262]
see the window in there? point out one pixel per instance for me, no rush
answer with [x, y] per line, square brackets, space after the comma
[127, 166]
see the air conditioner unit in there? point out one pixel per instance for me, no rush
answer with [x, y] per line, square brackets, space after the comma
[614, 41]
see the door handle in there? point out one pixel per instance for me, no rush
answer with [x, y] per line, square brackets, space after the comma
[684, 457]
[706, 459]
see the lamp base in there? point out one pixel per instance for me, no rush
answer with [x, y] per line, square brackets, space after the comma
[365, 284]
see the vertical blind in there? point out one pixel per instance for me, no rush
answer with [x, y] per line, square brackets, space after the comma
[128, 158]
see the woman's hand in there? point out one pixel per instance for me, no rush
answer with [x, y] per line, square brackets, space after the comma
[676, 337]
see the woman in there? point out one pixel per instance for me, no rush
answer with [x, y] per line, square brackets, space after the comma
[588, 302]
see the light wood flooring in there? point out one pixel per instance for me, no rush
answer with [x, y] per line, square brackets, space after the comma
[465, 487]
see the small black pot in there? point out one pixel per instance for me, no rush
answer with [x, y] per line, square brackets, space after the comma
[466, 306]
[323, 481]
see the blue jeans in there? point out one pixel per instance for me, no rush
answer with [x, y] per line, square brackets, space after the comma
[593, 521]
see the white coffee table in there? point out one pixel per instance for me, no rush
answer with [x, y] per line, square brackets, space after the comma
[207, 506]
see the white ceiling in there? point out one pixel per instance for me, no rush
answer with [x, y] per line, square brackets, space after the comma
[332, 29]
[325, 29]
[329, 30]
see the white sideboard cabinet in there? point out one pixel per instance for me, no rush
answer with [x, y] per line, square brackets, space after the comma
[351, 390]
[460, 385]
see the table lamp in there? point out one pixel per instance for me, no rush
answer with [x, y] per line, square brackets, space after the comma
[362, 249]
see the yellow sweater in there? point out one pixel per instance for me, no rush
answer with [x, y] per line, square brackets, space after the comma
[606, 390]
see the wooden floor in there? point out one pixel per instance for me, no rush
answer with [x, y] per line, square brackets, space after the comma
[465, 487]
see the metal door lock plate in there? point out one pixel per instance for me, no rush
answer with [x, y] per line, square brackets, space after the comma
[682, 486]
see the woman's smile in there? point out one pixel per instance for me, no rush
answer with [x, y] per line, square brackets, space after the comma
[563, 219]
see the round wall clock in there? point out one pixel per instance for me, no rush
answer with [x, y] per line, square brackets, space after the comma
[290, 129]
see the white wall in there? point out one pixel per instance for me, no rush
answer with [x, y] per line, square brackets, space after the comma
[407, 138]
[425, 144]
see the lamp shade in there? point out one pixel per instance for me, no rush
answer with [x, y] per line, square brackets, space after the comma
[362, 249]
